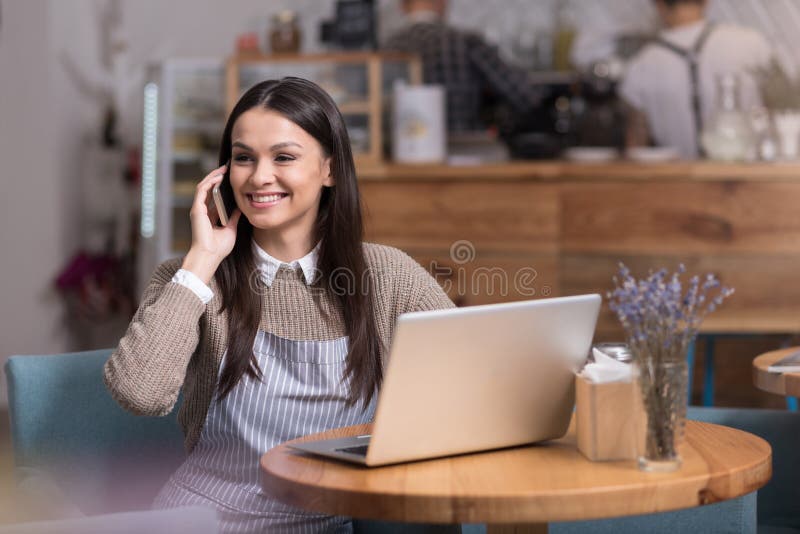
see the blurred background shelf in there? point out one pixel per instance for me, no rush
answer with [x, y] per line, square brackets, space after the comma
[359, 82]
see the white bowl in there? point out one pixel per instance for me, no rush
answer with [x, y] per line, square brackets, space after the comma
[652, 154]
[591, 154]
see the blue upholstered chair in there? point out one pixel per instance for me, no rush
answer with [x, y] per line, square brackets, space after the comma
[75, 447]
[737, 516]
[69, 435]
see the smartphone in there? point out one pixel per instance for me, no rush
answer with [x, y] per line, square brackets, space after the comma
[223, 197]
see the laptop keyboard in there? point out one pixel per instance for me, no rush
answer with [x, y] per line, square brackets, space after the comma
[360, 450]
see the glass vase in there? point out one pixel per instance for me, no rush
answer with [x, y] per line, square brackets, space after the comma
[663, 385]
[727, 134]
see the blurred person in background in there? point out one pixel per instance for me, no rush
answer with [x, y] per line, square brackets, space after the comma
[464, 63]
[669, 86]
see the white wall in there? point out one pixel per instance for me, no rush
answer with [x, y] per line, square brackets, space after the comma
[32, 233]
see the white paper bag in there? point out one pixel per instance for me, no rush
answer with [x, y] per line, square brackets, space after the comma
[419, 133]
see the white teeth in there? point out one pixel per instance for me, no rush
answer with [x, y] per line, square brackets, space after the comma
[266, 198]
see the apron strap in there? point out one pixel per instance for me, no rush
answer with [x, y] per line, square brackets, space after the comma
[692, 58]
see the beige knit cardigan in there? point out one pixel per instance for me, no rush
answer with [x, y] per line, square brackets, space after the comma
[176, 342]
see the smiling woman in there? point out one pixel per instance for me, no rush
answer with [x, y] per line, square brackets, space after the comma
[276, 324]
[278, 172]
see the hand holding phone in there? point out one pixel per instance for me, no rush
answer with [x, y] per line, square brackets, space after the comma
[223, 198]
[219, 203]
[209, 245]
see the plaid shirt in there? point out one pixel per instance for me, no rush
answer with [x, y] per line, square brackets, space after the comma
[466, 66]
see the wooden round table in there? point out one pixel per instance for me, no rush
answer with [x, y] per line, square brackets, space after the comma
[780, 383]
[528, 485]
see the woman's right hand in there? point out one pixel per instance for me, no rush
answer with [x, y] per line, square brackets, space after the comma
[210, 243]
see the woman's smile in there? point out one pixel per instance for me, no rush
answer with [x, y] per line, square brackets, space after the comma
[265, 200]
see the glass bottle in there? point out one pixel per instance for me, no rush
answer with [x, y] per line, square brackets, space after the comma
[728, 134]
[767, 141]
[563, 37]
[284, 33]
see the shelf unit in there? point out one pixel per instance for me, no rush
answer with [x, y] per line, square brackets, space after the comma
[183, 121]
[359, 82]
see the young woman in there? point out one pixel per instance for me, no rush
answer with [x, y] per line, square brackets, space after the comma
[276, 325]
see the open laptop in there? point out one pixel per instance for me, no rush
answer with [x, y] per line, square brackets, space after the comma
[474, 378]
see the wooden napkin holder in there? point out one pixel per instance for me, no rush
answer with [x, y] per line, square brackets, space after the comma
[609, 419]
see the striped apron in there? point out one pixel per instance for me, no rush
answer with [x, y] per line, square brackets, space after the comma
[301, 393]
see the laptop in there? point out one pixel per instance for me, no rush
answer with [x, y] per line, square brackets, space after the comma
[473, 379]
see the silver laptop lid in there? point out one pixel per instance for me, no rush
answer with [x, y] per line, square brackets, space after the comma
[481, 377]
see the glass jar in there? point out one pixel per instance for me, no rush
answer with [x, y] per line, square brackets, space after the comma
[284, 33]
[728, 134]
[767, 140]
[619, 351]
[663, 385]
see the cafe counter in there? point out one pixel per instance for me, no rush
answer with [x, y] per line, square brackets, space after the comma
[521, 230]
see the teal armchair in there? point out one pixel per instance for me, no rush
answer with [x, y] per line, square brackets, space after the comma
[70, 436]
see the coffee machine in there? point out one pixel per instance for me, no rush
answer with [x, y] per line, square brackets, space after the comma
[354, 26]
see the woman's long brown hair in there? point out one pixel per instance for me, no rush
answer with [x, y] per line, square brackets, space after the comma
[339, 230]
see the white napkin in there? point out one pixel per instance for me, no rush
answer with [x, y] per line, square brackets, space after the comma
[606, 369]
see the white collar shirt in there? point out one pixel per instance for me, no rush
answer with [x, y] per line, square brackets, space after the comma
[268, 266]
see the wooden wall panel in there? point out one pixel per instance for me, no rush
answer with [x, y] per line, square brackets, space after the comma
[681, 217]
[574, 235]
[493, 278]
[493, 216]
[760, 281]
[767, 297]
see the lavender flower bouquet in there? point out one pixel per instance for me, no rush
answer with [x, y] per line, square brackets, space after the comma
[661, 321]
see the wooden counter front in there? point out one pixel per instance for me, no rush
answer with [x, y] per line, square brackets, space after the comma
[525, 230]
[562, 170]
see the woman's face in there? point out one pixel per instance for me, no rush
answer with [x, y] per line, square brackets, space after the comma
[277, 173]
